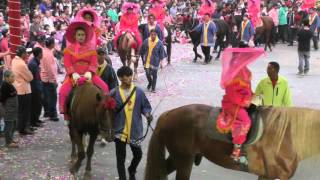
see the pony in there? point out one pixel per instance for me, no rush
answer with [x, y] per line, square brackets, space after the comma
[129, 52]
[223, 36]
[265, 32]
[89, 113]
[290, 135]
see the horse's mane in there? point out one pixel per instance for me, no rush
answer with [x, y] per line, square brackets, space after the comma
[304, 126]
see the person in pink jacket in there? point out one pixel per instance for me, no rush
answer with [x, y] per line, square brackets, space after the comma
[80, 60]
[23, 77]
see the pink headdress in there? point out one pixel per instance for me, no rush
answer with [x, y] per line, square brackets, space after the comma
[161, 2]
[71, 31]
[96, 19]
[128, 5]
[235, 59]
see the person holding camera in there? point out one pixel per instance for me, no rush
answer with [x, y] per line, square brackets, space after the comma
[131, 104]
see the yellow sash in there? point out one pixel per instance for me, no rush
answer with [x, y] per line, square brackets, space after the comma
[151, 45]
[102, 68]
[243, 26]
[205, 34]
[128, 109]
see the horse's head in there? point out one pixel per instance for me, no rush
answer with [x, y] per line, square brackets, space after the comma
[108, 105]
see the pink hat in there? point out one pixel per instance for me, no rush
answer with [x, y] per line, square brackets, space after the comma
[71, 31]
[83, 11]
[129, 5]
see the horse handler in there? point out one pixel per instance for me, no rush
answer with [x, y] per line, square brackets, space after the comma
[131, 104]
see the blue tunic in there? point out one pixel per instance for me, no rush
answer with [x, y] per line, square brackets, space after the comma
[212, 29]
[315, 24]
[158, 53]
[141, 106]
[247, 33]
[146, 33]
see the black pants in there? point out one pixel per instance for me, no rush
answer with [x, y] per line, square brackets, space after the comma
[36, 107]
[9, 128]
[24, 111]
[121, 157]
[283, 32]
[169, 46]
[50, 96]
[206, 52]
[152, 75]
[292, 32]
[315, 41]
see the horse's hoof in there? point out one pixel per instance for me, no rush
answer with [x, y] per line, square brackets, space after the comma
[74, 169]
[87, 175]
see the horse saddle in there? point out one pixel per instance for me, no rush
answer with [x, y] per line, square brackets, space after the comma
[253, 135]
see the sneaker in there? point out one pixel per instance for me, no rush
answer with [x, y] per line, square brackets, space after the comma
[300, 73]
[149, 86]
[153, 91]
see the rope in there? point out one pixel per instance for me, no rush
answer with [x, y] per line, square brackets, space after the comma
[140, 140]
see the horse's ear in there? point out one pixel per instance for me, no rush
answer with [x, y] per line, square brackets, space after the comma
[98, 97]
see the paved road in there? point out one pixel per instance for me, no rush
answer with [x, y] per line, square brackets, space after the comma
[45, 155]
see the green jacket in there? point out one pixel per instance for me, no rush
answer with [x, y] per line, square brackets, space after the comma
[280, 95]
[113, 15]
[283, 11]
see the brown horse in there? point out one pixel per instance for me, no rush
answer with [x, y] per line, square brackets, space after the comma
[290, 135]
[88, 116]
[265, 31]
[127, 53]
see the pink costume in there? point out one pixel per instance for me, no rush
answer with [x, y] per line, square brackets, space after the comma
[236, 80]
[207, 6]
[159, 12]
[234, 116]
[129, 23]
[79, 59]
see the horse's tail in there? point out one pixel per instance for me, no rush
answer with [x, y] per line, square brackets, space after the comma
[155, 168]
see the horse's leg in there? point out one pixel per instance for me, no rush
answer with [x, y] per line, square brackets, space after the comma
[73, 147]
[170, 165]
[195, 53]
[90, 151]
[81, 154]
[132, 60]
[268, 41]
[184, 167]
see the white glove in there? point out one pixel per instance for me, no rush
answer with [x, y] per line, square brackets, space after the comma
[75, 76]
[88, 75]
